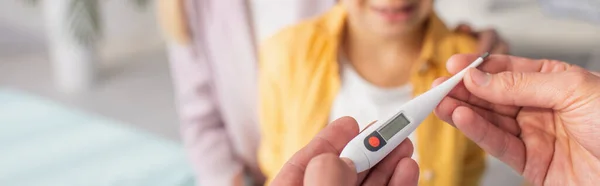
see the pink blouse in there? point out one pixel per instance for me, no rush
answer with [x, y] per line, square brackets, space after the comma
[215, 85]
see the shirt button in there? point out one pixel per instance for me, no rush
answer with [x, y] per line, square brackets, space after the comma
[428, 175]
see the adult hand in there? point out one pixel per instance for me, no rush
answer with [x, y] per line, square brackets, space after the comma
[318, 163]
[541, 117]
[488, 40]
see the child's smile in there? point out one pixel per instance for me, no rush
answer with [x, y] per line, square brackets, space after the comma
[395, 13]
[388, 18]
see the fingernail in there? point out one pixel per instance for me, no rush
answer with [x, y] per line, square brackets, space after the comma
[480, 78]
[349, 163]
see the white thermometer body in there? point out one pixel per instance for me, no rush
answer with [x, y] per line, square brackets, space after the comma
[379, 139]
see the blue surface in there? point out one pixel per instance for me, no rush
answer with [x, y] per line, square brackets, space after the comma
[46, 144]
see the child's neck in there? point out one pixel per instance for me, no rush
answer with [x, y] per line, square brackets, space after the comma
[382, 50]
[380, 60]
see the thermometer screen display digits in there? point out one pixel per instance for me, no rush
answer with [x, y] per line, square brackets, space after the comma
[393, 127]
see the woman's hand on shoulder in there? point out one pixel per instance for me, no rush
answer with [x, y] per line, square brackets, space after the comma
[488, 40]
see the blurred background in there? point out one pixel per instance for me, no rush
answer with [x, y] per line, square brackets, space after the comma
[104, 115]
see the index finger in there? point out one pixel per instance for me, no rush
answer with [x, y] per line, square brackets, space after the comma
[332, 139]
[496, 63]
[329, 169]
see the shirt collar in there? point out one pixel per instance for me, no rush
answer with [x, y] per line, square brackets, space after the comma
[334, 21]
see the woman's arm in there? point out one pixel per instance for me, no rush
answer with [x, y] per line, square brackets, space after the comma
[203, 132]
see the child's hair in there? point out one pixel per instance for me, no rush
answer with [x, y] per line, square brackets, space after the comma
[173, 20]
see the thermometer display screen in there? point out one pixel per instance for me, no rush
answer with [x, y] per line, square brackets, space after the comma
[393, 127]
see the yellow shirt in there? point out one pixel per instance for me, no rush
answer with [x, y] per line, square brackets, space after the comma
[299, 79]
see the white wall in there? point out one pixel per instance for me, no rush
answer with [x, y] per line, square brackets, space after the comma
[127, 29]
[18, 14]
[273, 15]
[525, 27]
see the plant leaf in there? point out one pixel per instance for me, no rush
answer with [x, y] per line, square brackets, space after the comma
[84, 20]
[142, 4]
[32, 2]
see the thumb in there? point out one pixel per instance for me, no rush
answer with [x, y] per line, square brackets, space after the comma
[533, 89]
[329, 169]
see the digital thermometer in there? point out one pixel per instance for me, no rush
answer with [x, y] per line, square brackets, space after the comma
[380, 138]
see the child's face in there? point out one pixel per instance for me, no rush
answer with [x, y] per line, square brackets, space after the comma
[388, 18]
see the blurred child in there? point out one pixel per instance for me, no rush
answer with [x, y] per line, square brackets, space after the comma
[362, 58]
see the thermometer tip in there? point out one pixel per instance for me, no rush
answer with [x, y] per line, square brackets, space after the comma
[485, 55]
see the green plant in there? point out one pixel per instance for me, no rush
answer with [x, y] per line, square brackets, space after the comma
[85, 20]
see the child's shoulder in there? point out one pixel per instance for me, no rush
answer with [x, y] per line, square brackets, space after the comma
[294, 44]
[294, 36]
[460, 42]
[453, 43]
[447, 40]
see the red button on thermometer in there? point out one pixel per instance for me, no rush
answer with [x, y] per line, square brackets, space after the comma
[380, 138]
